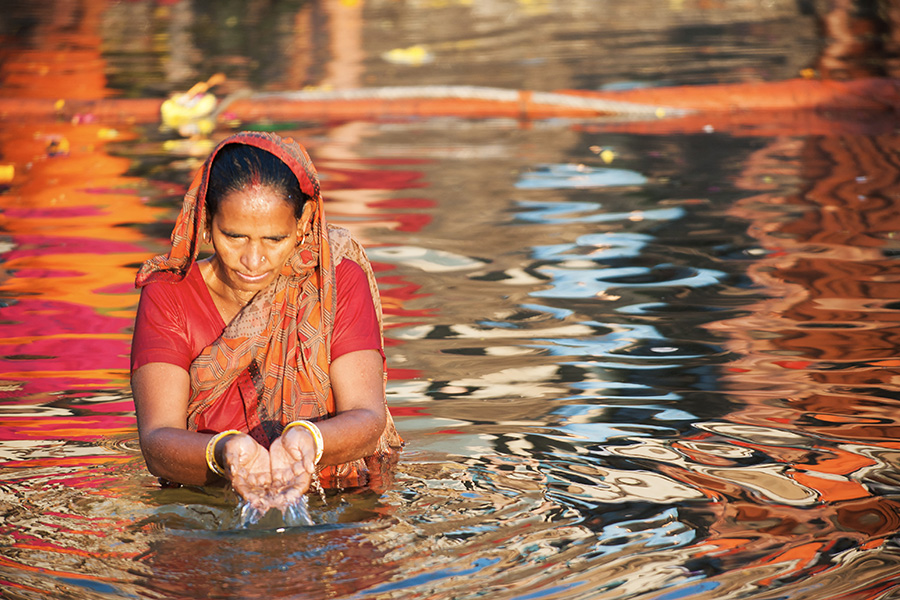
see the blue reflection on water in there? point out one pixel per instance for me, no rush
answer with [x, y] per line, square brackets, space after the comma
[603, 246]
[432, 576]
[578, 176]
[664, 529]
[623, 336]
[642, 412]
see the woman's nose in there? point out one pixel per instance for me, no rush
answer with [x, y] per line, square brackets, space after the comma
[253, 257]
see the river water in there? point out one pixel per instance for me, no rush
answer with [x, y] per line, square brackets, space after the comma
[627, 362]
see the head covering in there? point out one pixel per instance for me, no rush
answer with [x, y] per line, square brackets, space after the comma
[277, 350]
[175, 265]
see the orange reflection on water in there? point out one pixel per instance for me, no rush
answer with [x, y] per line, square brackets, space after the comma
[818, 346]
[816, 355]
[68, 273]
[67, 59]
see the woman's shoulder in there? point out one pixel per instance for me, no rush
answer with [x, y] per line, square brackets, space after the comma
[348, 269]
[173, 295]
[345, 247]
[191, 280]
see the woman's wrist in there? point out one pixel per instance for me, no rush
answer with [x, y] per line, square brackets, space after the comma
[214, 451]
[313, 430]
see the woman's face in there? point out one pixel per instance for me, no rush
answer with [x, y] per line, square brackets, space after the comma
[253, 233]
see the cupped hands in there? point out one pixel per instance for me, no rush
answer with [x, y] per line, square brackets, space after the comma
[274, 478]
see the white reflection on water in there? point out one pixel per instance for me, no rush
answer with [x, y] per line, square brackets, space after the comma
[478, 333]
[11, 450]
[587, 483]
[620, 338]
[594, 282]
[561, 213]
[427, 259]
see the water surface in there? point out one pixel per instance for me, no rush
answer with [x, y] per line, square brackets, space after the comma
[626, 365]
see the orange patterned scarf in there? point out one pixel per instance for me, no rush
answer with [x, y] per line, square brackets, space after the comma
[278, 349]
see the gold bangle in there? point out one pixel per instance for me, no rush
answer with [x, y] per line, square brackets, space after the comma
[211, 461]
[314, 431]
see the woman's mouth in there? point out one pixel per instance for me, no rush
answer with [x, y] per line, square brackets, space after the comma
[252, 278]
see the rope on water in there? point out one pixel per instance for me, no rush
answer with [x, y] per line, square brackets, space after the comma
[461, 92]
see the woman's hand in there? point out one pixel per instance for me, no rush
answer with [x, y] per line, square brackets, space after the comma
[249, 468]
[292, 466]
[274, 478]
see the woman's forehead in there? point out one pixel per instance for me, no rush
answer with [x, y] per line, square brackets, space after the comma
[256, 202]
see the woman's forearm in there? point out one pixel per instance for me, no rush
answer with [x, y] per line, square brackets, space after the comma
[177, 455]
[160, 398]
[358, 383]
[351, 435]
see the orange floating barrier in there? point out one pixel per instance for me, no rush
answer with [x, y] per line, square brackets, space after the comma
[878, 95]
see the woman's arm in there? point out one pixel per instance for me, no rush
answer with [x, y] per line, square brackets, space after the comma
[161, 397]
[357, 380]
[171, 451]
[161, 393]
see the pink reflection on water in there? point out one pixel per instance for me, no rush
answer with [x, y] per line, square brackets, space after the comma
[39, 245]
[70, 265]
[68, 299]
[29, 317]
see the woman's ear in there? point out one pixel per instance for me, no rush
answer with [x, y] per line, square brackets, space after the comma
[304, 220]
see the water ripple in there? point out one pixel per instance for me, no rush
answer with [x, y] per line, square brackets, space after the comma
[571, 213]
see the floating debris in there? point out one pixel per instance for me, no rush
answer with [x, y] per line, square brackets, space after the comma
[192, 113]
[413, 55]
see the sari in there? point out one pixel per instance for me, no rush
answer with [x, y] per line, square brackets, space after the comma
[277, 350]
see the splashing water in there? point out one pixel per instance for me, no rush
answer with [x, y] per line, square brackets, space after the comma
[295, 515]
[249, 515]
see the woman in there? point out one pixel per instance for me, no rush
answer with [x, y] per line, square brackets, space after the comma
[263, 363]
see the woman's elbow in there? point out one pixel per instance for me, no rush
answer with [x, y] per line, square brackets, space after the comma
[377, 421]
[153, 451]
[153, 467]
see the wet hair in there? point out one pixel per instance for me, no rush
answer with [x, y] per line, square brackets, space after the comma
[239, 166]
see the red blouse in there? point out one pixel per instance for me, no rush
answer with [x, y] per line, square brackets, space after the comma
[176, 321]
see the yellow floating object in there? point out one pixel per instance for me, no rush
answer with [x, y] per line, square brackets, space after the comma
[414, 55]
[194, 147]
[200, 127]
[7, 172]
[182, 109]
[192, 113]
[57, 146]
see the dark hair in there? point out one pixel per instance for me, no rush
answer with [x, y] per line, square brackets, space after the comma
[238, 166]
